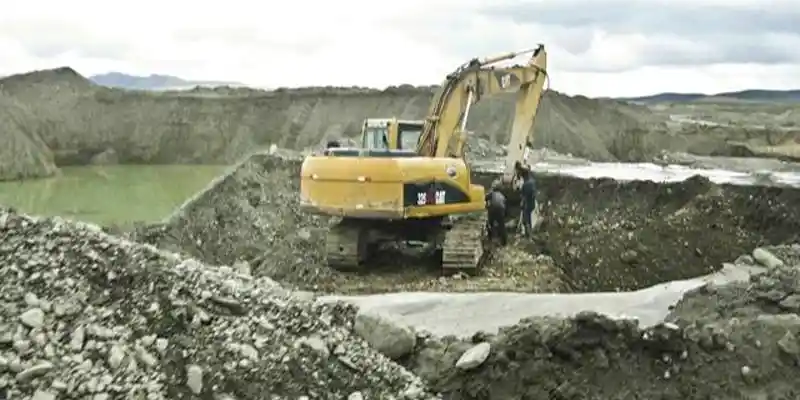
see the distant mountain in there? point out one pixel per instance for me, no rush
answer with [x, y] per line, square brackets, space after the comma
[782, 96]
[152, 82]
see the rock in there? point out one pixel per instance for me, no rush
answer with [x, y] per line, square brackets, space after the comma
[31, 300]
[115, 357]
[355, 396]
[77, 339]
[766, 258]
[33, 318]
[629, 256]
[388, 337]
[161, 345]
[317, 344]
[194, 378]
[34, 371]
[789, 345]
[243, 268]
[745, 260]
[304, 234]
[791, 303]
[44, 395]
[474, 357]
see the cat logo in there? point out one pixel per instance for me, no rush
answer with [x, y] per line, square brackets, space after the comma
[505, 81]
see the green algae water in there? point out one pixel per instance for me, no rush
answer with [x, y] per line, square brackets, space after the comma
[110, 195]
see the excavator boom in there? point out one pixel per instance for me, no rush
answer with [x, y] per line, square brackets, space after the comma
[443, 134]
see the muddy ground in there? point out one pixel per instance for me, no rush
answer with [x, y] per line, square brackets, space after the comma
[597, 235]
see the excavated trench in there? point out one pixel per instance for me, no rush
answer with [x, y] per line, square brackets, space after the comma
[605, 235]
[596, 235]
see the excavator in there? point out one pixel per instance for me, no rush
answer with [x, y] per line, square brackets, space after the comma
[390, 191]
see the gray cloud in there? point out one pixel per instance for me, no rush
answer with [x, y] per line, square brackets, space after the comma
[679, 34]
[52, 40]
[658, 17]
[620, 35]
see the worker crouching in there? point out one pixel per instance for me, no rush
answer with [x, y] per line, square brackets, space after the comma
[496, 210]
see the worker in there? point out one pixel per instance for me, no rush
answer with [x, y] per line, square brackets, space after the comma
[528, 192]
[496, 210]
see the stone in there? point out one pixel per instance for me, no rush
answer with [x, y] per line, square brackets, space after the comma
[474, 357]
[389, 337]
[194, 378]
[766, 258]
[33, 318]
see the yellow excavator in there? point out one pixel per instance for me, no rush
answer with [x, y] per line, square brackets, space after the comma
[388, 190]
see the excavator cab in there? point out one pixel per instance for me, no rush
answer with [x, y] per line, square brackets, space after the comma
[390, 134]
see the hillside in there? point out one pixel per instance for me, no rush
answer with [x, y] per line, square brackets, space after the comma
[23, 153]
[82, 122]
[744, 95]
[152, 82]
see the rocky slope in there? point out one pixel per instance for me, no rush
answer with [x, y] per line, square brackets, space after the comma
[87, 315]
[80, 120]
[23, 154]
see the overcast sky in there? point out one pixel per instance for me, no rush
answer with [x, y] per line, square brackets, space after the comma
[596, 47]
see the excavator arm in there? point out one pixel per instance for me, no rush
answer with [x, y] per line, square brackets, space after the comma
[444, 134]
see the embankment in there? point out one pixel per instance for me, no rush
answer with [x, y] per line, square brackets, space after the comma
[83, 123]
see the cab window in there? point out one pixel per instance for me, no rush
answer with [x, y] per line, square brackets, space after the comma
[409, 136]
[376, 139]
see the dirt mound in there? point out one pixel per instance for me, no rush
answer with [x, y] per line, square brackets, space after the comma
[598, 235]
[84, 314]
[220, 126]
[23, 153]
[732, 341]
[634, 235]
[249, 215]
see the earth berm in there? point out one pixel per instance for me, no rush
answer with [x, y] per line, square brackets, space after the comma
[596, 235]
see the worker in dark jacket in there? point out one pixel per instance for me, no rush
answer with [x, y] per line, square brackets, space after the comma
[496, 208]
[528, 202]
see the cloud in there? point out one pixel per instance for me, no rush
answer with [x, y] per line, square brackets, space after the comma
[597, 47]
[671, 33]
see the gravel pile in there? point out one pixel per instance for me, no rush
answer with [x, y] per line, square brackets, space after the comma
[91, 316]
[249, 214]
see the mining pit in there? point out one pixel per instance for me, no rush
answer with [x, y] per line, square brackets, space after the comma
[77, 302]
[595, 235]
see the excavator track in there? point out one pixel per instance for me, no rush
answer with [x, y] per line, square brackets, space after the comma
[463, 246]
[346, 247]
